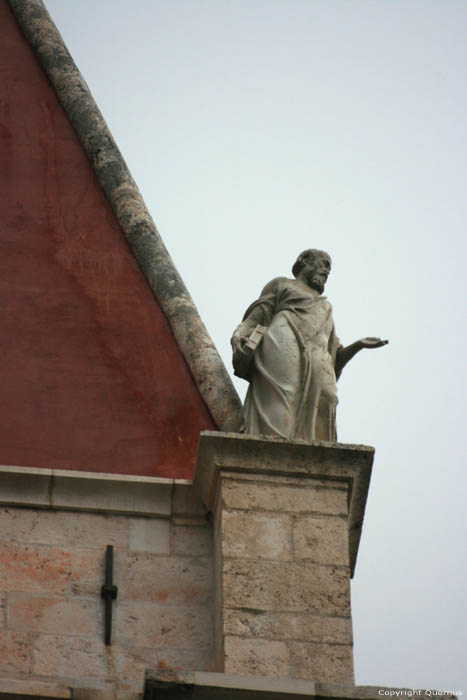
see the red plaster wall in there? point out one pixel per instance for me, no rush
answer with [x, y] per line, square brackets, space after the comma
[90, 375]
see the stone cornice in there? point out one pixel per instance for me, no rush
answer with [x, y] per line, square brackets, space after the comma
[160, 684]
[324, 461]
[119, 494]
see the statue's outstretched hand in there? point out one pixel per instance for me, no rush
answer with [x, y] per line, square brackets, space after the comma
[373, 343]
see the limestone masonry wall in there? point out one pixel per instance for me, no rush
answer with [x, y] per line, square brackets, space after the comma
[286, 591]
[287, 523]
[52, 616]
[246, 571]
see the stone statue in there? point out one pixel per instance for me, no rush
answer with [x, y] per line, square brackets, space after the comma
[287, 348]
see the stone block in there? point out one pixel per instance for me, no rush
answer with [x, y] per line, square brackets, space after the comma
[279, 494]
[146, 624]
[25, 486]
[87, 571]
[187, 507]
[322, 662]
[131, 663]
[14, 652]
[13, 688]
[112, 493]
[76, 490]
[3, 605]
[74, 616]
[127, 690]
[61, 656]
[256, 657]
[191, 540]
[286, 587]
[50, 570]
[170, 580]
[285, 626]
[149, 535]
[62, 528]
[34, 569]
[94, 694]
[252, 535]
[323, 540]
[224, 686]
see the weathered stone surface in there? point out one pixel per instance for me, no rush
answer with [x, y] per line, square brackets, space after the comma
[34, 688]
[62, 656]
[187, 507]
[14, 652]
[286, 587]
[99, 694]
[149, 535]
[86, 491]
[51, 573]
[166, 579]
[191, 540]
[112, 493]
[87, 571]
[147, 624]
[35, 569]
[222, 455]
[241, 454]
[60, 528]
[323, 540]
[254, 657]
[281, 551]
[132, 662]
[322, 662]
[285, 626]
[82, 617]
[250, 535]
[224, 686]
[25, 486]
[41, 569]
[303, 496]
[3, 604]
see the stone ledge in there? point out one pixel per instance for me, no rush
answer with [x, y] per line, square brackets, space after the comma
[33, 690]
[222, 686]
[60, 489]
[219, 686]
[324, 461]
[111, 493]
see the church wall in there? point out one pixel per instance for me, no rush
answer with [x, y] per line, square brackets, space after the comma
[52, 567]
[91, 375]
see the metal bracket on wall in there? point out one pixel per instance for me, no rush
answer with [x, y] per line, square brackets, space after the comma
[108, 592]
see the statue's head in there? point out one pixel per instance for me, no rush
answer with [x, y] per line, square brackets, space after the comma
[313, 267]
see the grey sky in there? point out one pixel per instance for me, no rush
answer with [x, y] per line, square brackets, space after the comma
[257, 128]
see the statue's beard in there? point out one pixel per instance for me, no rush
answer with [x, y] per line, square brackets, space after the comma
[317, 281]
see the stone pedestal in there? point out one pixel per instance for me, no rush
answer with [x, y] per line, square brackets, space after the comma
[287, 522]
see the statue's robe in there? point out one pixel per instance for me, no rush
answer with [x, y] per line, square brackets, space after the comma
[292, 391]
